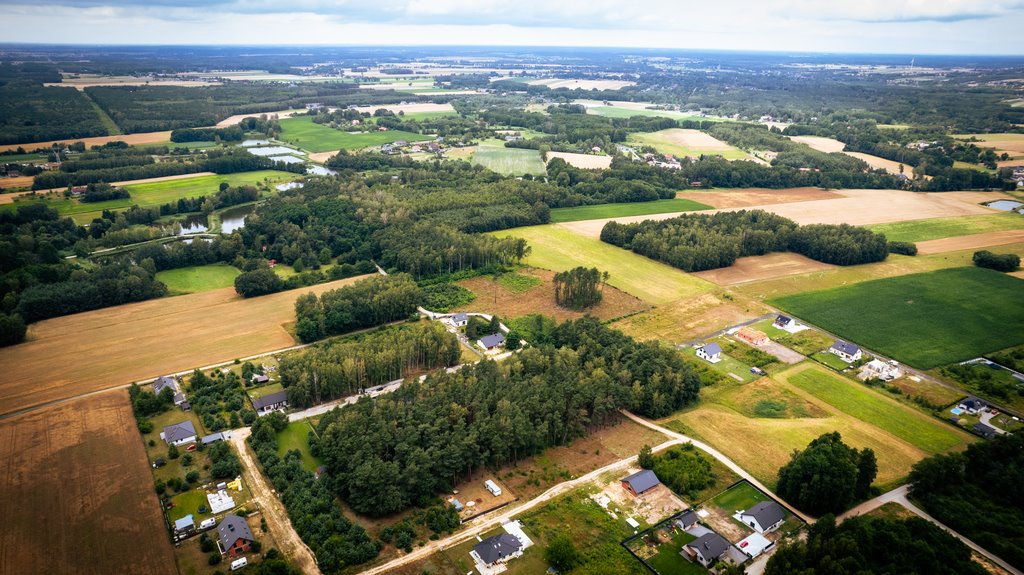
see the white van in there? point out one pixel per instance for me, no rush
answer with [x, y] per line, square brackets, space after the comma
[239, 563]
[208, 523]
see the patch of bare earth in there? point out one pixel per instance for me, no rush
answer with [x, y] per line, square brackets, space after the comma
[687, 319]
[77, 492]
[764, 267]
[130, 139]
[757, 197]
[970, 242]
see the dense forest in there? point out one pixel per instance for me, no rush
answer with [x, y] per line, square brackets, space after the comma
[27, 114]
[977, 493]
[404, 448]
[366, 303]
[696, 242]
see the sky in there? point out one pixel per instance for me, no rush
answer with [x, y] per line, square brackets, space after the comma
[864, 26]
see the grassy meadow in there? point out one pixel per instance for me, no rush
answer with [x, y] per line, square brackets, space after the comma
[302, 132]
[925, 320]
[666, 143]
[602, 211]
[938, 228]
[509, 161]
[199, 278]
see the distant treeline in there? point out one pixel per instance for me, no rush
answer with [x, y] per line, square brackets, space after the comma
[230, 134]
[32, 113]
[696, 242]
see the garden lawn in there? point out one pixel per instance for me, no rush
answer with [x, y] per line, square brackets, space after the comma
[667, 560]
[187, 503]
[302, 132]
[296, 436]
[741, 496]
[558, 249]
[602, 211]
[199, 278]
[924, 320]
[872, 407]
[938, 228]
[830, 359]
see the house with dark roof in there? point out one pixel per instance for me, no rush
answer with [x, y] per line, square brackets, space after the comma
[460, 320]
[765, 517]
[973, 405]
[782, 322]
[167, 382]
[270, 402]
[706, 549]
[986, 431]
[640, 482]
[491, 342]
[260, 378]
[179, 433]
[710, 352]
[846, 351]
[213, 438]
[687, 520]
[234, 536]
[497, 549]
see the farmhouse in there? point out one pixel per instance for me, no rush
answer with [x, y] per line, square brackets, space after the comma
[179, 433]
[706, 549]
[846, 351]
[751, 336]
[640, 482]
[491, 342]
[460, 320]
[765, 517]
[712, 352]
[973, 405]
[497, 549]
[234, 536]
[270, 402]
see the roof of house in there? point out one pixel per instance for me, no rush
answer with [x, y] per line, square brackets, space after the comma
[260, 377]
[688, 518]
[184, 523]
[751, 333]
[179, 431]
[710, 545]
[984, 429]
[845, 347]
[767, 513]
[493, 340]
[164, 381]
[212, 438]
[259, 403]
[783, 319]
[712, 349]
[642, 480]
[496, 548]
[231, 529]
[460, 317]
[974, 403]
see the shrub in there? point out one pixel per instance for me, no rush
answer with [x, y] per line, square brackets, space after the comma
[214, 559]
[903, 248]
[998, 262]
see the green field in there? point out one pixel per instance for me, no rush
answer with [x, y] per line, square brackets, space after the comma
[296, 436]
[664, 143]
[728, 365]
[602, 211]
[199, 278]
[924, 320]
[938, 228]
[302, 132]
[558, 249]
[509, 161]
[870, 406]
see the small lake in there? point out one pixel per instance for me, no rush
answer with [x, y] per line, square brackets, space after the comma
[287, 159]
[1005, 205]
[194, 224]
[251, 143]
[274, 151]
[233, 219]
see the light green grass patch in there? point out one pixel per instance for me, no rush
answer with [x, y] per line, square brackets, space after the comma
[558, 249]
[870, 406]
[29, 157]
[663, 142]
[509, 161]
[264, 390]
[740, 497]
[302, 132]
[924, 320]
[188, 503]
[602, 211]
[199, 278]
[518, 283]
[667, 560]
[830, 359]
[296, 436]
[938, 228]
[726, 366]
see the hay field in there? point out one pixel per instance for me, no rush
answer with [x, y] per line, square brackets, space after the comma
[683, 142]
[583, 161]
[822, 144]
[410, 108]
[558, 249]
[509, 161]
[16, 182]
[301, 131]
[747, 197]
[111, 347]
[1012, 144]
[883, 164]
[77, 492]
[690, 318]
[934, 229]
[83, 81]
[571, 84]
[755, 268]
[972, 242]
[579, 213]
[199, 278]
[130, 139]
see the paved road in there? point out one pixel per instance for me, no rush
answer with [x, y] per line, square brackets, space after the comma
[899, 496]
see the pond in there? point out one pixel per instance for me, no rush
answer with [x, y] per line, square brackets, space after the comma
[274, 151]
[287, 159]
[251, 143]
[233, 219]
[1005, 205]
[194, 224]
[320, 171]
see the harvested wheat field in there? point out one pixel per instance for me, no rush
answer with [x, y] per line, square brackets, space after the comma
[130, 139]
[77, 493]
[1012, 144]
[764, 267]
[827, 145]
[976, 241]
[237, 118]
[322, 157]
[112, 347]
[11, 197]
[743, 198]
[883, 164]
[16, 182]
[495, 298]
[409, 108]
[583, 161]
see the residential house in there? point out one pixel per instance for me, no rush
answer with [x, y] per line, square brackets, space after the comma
[765, 517]
[711, 352]
[973, 405]
[167, 382]
[497, 549]
[706, 549]
[213, 438]
[752, 336]
[234, 536]
[259, 378]
[986, 431]
[491, 342]
[640, 482]
[270, 402]
[687, 520]
[460, 320]
[179, 433]
[184, 527]
[846, 351]
[782, 322]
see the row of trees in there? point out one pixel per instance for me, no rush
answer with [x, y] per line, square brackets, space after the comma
[366, 303]
[696, 242]
[404, 448]
[683, 468]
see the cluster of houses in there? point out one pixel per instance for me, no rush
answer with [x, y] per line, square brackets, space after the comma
[1018, 176]
[234, 538]
[402, 146]
[168, 382]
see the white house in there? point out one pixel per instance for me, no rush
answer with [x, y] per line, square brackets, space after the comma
[270, 402]
[706, 549]
[846, 351]
[711, 352]
[459, 320]
[765, 517]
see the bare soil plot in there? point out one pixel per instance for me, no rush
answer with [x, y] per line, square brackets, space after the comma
[11, 197]
[83, 81]
[583, 161]
[555, 83]
[742, 198]
[237, 118]
[970, 242]
[883, 164]
[77, 493]
[494, 298]
[15, 182]
[130, 139]
[111, 347]
[690, 318]
[822, 144]
[764, 267]
[322, 157]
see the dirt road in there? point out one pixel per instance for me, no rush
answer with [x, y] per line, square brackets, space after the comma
[273, 510]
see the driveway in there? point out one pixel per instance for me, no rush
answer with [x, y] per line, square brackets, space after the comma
[783, 353]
